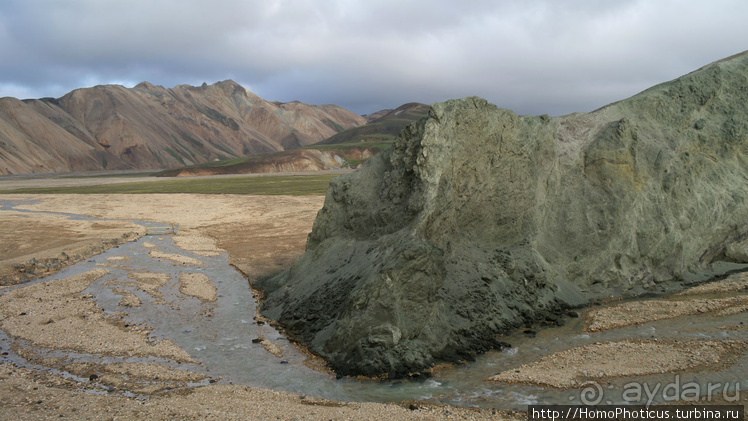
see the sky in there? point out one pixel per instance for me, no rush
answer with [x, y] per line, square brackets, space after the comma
[531, 56]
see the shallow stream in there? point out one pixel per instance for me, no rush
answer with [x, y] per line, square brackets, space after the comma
[220, 336]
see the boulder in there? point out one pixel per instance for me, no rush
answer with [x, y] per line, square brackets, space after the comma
[478, 221]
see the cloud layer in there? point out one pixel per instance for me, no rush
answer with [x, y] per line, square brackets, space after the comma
[533, 57]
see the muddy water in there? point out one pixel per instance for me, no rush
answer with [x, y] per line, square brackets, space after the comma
[220, 336]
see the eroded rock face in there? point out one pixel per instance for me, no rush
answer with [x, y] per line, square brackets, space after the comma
[478, 220]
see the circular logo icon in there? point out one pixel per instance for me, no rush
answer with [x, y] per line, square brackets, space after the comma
[592, 394]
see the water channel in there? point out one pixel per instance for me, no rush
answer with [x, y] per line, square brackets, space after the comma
[220, 336]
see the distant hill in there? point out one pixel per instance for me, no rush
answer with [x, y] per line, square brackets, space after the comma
[285, 161]
[347, 149]
[375, 115]
[382, 129]
[148, 126]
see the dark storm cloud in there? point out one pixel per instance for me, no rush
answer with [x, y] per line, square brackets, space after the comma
[531, 56]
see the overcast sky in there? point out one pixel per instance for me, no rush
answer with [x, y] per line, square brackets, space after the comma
[534, 57]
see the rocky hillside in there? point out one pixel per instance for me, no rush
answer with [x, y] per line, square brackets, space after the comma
[347, 149]
[384, 128]
[287, 161]
[297, 160]
[113, 127]
[479, 220]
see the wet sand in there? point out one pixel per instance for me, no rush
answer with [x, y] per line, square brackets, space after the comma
[55, 315]
[603, 361]
[262, 234]
[639, 312]
[606, 360]
[28, 395]
[197, 285]
[722, 297]
[35, 245]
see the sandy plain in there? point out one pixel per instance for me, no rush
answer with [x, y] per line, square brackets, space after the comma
[262, 234]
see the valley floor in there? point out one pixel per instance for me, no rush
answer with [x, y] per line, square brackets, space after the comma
[262, 235]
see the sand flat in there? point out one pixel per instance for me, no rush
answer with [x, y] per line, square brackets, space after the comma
[176, 258]
[639, 312]
[197, 285]
[261, 233]
[598, 361]
[55, 315]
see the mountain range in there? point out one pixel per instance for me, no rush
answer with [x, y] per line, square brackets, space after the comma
[147, 126]
[349, 148]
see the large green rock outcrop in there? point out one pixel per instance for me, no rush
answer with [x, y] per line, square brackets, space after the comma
[478, 220]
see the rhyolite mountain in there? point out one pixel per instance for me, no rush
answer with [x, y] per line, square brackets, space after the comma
[147, 126]
[349, 148]
[479, 220]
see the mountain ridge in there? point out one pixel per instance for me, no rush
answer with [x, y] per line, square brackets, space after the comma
[346, 149]
[149, 126]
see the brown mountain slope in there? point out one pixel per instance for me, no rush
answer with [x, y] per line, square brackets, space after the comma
[347, 149]
[30, 142]
[113, 127]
